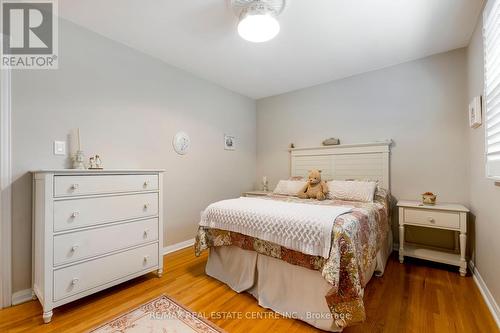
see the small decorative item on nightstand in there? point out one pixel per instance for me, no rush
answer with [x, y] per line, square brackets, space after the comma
[264, 184]
[440, 216]
[429, 198]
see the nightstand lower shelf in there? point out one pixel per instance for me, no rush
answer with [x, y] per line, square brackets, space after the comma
[432, 255]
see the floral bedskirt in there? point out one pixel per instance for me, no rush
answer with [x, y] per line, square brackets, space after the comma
[356, 240]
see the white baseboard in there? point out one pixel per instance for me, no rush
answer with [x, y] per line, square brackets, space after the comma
[21, 296]
[178, 246]
[488, 297]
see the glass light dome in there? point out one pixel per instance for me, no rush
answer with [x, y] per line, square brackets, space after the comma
[258, 25]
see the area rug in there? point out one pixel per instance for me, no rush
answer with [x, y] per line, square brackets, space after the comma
[161, 315]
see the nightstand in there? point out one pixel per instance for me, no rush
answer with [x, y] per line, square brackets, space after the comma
[440, 216]
[255, 193]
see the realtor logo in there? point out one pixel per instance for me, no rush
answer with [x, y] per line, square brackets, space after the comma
[29, 34]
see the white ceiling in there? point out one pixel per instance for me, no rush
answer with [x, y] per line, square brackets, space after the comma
[320, 40]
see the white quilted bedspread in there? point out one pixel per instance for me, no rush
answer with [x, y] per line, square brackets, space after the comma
[298, 226]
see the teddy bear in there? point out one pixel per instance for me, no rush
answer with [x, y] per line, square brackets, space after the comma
[315, 188]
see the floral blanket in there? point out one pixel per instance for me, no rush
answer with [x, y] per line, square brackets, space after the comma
[356, 239]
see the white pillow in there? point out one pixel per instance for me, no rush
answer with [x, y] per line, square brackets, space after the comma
[351, 190]
[289, 187]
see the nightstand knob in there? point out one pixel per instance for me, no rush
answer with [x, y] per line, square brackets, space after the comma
[146, 259]
[75, 214]
[74, 248]
[431, 220]
[146, 206]
[74, 186]
[146, 183]
[146, 233]
[74, 281]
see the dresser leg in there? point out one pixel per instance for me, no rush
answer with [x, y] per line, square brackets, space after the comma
[159, 272]
[463, 262]
[47, 316]
[401, 243]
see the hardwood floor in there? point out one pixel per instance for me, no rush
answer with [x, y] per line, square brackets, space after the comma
[415, 297]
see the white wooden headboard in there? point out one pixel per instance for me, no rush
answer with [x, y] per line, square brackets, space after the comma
[350, 161]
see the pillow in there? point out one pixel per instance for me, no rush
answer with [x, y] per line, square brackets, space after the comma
[289, 187]
[351, 190]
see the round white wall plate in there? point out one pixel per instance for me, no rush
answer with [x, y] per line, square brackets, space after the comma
[181, 143]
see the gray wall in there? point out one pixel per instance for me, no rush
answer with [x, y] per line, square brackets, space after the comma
[128, 106]
[421, 105]
[484, 195]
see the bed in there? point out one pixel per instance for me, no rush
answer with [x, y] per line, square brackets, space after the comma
[313, 262]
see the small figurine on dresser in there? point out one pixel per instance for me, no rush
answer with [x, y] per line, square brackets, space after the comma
[98, 163]
[95, 163]
[92, 163]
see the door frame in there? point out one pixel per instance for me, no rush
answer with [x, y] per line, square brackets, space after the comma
[5, 188]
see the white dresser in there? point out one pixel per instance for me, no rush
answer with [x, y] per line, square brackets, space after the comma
[92, 230]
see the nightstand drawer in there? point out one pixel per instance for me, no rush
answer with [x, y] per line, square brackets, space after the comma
[432, 218]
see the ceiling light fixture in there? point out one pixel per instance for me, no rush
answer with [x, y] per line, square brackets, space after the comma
[258, 21]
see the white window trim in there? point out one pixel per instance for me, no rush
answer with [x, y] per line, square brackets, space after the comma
[487, 10]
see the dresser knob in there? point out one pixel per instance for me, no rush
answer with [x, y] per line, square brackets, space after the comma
[146, 183]
[74, 186]
[146, 206]
[74, 281]
[431, 220]
[74, 248]
[146, 258]
[146, 233]
[75, 214]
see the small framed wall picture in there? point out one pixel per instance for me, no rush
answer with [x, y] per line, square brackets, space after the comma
[475, 112]
[229, 142]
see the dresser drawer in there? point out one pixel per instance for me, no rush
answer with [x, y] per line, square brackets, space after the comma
[87, 243]
[81, 277]
[76, 213]
[427, 217]
[102, 184]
